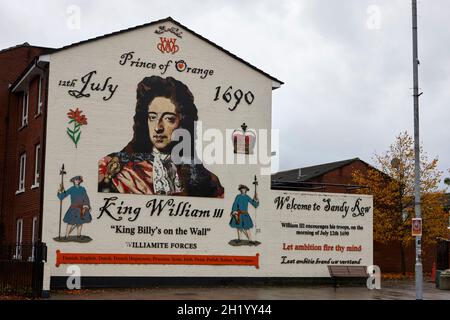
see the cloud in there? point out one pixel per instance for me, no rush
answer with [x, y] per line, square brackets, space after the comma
[348, 87]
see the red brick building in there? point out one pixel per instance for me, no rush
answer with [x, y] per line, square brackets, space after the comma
[22, 117]
[336, 177]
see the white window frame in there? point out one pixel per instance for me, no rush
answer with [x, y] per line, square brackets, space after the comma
[39, 105]
[22, 172]
[33, 237]
[37, 156]
[25, 104]
[19, 238]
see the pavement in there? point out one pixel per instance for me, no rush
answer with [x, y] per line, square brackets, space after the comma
[390, 290]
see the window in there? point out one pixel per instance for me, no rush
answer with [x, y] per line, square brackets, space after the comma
[37, 163]
[33, 237]
[39, 100]
[23, 163]
[19, 236]
[25, 101]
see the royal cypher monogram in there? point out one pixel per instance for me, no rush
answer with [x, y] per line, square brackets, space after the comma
[167, 45]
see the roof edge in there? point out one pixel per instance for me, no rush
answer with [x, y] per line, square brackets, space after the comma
[170, 19]
[26, 45]
[348, 161]
[27, 70]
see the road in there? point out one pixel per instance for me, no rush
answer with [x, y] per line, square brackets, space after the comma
[390, 290]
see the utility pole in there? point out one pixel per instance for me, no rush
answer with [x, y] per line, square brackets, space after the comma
[418, 267]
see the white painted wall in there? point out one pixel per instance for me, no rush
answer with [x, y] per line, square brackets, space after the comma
[109, 129]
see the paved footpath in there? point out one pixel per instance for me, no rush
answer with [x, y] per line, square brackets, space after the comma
[391, 290]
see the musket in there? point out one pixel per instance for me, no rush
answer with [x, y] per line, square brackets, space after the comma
[255, 183]
[62, 172]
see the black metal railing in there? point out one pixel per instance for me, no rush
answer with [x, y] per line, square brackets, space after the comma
[21, 269]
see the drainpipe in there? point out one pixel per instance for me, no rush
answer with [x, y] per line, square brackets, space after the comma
[4, 156]
[43, 148]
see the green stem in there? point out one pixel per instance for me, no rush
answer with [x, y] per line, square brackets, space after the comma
[74, 128]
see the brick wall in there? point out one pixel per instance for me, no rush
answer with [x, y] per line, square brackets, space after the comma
[13, 142]
[342, 175]
[388, 257]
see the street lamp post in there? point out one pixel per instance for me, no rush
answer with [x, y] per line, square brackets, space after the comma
[418, 268]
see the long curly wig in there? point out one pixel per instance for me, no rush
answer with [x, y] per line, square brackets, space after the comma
[178, 93]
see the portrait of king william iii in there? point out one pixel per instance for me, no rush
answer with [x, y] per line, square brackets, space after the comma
[146, 165]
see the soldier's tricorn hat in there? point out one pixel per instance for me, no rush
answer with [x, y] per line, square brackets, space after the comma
[241, 186]
[76, 178]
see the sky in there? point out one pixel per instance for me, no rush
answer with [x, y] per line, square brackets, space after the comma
[347, 65]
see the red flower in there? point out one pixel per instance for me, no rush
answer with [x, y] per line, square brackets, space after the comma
[77, 116]
[82, 120]
[74, 115]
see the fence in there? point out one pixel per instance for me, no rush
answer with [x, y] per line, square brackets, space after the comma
[442, 254]
[21, 269]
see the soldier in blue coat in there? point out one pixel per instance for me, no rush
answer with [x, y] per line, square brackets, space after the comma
[79, 210]
[240, 218]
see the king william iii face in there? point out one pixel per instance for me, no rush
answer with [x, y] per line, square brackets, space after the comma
[162, 121]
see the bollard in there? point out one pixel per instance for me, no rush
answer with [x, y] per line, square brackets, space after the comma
[433, 273]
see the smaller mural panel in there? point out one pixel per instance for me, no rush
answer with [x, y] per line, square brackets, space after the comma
[318, 230]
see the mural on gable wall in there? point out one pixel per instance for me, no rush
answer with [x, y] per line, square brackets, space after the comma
[141, 94]
[144, 165]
